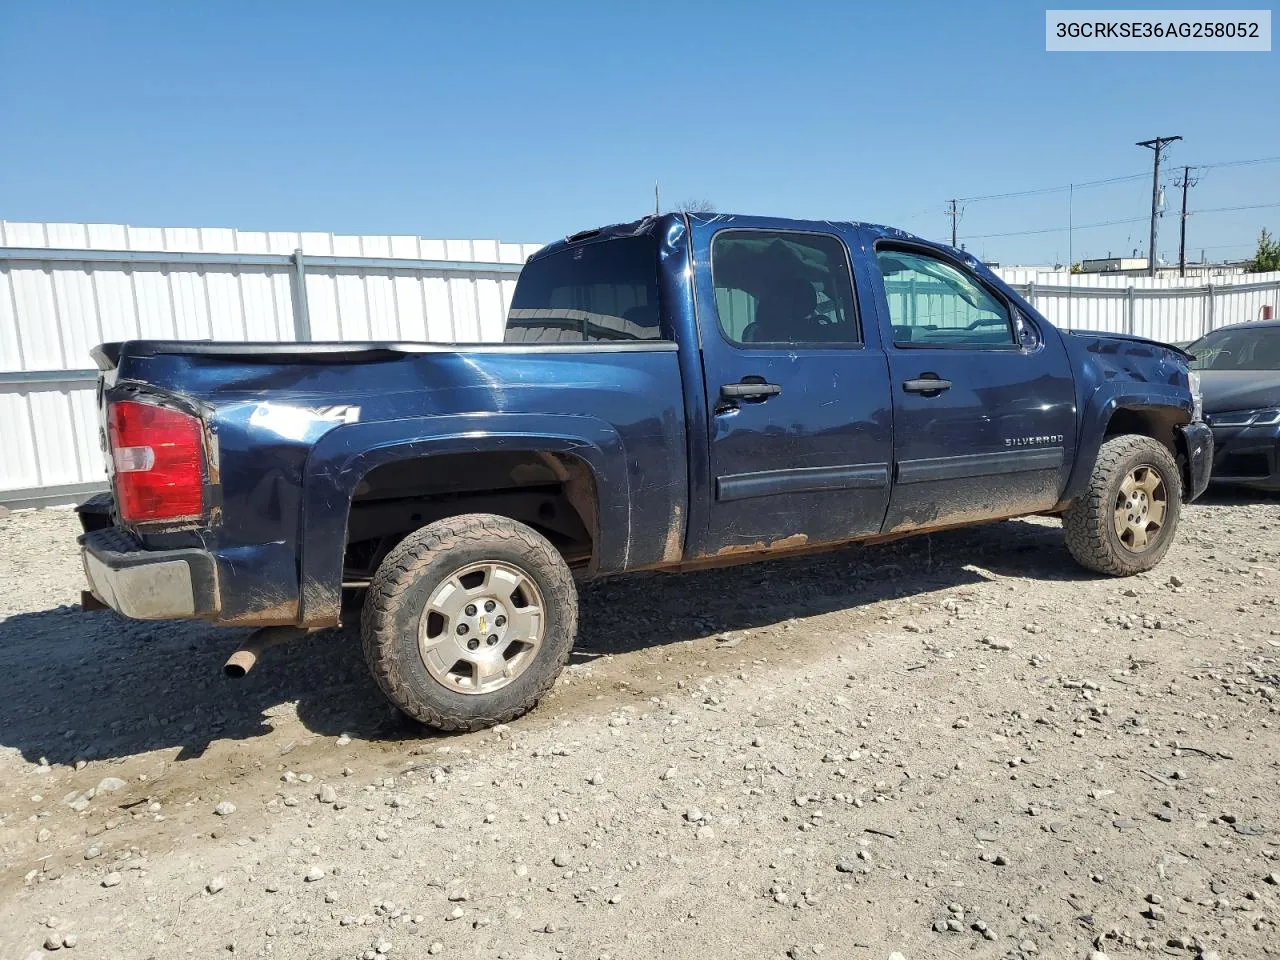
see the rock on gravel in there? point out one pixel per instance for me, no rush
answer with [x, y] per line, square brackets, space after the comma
[675, 794]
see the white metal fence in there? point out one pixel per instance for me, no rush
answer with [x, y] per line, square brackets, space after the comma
[66, 287]
[1176, 310]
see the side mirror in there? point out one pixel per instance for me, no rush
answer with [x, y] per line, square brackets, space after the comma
[1025, 331]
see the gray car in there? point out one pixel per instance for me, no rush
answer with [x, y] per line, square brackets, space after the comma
[1239, 370]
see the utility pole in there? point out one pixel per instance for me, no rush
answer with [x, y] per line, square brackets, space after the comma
[953, 215]
[657, 199]
[1156, 145]
[1184, 183]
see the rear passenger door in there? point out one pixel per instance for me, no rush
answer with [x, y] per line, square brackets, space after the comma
[796, 392]
[983, 396]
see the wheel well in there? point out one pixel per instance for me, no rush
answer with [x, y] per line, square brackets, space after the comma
[1159, 423]
[553, 493]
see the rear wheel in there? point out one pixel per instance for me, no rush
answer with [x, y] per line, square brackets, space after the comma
[469, 621]
[1125, 521]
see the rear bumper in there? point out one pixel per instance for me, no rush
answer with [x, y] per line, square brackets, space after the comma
[1199, 446]
[149, 584]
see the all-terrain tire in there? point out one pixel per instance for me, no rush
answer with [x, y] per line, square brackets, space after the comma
[402, 587]
[1090, 522]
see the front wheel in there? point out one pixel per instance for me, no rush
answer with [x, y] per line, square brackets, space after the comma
[1125, 521]
[469, 621]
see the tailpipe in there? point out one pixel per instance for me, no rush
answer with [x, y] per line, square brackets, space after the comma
[244, 659]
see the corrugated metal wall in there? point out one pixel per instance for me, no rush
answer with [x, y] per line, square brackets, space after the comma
[67, 287]
[1173, 309]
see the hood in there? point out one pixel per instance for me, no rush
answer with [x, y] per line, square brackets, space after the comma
[1128, 338]
[1226, 390]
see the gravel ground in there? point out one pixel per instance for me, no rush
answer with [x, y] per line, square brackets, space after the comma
[952, 746]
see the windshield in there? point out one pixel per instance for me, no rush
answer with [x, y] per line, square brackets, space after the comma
[596, 291]
[1238, 349]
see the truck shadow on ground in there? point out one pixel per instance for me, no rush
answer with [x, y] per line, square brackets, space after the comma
[1218, 496]
[95, 686]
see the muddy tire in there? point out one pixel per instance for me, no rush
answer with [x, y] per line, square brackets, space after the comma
[469, 621]
[1125, 521]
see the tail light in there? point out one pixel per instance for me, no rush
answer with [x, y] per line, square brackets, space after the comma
[157, 453]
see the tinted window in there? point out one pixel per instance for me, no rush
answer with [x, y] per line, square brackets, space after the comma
[1257, 349]
[783, 287]
[933, 303]
[606, 290]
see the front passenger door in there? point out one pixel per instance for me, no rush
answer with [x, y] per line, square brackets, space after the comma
[983, 397]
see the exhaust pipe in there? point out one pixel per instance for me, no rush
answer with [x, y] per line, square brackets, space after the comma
[244, 659]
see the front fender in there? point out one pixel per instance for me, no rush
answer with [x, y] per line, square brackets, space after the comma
[1102, 406]
[343, 456]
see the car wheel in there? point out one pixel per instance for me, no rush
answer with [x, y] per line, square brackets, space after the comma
[1125, 521]
[469, 621]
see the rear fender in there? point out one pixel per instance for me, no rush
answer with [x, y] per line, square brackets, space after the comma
[345, 455]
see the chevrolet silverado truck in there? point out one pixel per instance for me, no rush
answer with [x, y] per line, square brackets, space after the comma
[675, 393]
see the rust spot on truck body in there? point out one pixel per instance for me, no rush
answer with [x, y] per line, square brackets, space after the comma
[783, 543]
[673, 547]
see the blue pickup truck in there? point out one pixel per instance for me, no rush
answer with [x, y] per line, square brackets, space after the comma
[679, 392]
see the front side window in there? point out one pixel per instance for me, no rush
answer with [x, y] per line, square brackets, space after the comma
[931, 303]
[606, 290]
[783, 287]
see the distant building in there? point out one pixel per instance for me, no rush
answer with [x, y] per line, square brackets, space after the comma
[1125, 265]
[1137, 267]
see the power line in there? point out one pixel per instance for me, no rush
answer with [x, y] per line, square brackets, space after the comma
[1041, 190]
[1234, 163]
[1250, 206]
[1107, 180]
[1078, 226]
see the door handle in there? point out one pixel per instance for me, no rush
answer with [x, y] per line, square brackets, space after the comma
[926, 385]
[748, 390]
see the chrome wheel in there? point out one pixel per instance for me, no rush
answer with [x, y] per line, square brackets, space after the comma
[1140, 508]
[481, 627]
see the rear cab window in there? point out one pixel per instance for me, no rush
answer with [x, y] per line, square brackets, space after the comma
[606, 290]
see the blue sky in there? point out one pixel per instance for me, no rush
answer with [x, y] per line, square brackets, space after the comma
[527, 121]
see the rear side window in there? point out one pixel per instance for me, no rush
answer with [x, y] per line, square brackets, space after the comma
[779, 286]
[931, 303]
[606, 290]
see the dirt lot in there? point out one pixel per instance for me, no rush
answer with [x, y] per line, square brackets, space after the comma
[947, 747]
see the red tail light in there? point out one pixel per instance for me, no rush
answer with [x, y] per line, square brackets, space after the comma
[157, 454]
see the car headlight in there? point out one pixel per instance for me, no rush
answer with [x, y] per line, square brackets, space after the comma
[1248, 418]
[1197, 397]
[1266, 418]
